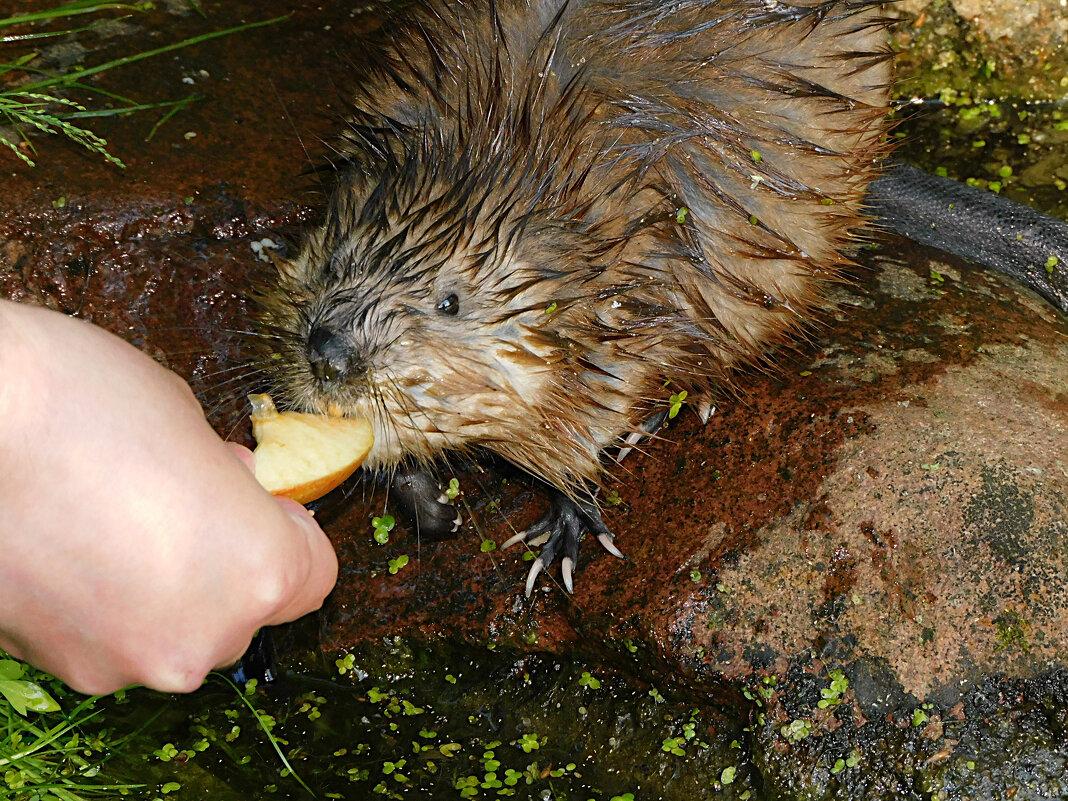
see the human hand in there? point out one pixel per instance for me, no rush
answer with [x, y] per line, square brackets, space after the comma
[135, 547]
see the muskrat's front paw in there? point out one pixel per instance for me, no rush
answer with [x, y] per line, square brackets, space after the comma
[560, 529]
[424, 503]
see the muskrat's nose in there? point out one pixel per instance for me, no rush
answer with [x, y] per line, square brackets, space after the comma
[329, 356]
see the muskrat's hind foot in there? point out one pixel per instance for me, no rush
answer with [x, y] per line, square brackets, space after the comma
[702, 406]
[560, 529]
[423, 502]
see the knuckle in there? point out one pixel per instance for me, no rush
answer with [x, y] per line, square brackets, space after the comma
[273, 585]
[94, 685]
[184, 393]
[178, 676]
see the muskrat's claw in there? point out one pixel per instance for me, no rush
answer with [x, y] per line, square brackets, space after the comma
[424, 502]
[646, 430]
[702, 406]
[560, 529]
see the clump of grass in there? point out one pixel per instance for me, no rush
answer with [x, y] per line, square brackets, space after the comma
[38, 100]
[45, 754]
[45, 113]
[48, 753]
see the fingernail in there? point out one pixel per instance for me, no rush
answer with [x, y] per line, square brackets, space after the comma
[247, 457]
[300, 515]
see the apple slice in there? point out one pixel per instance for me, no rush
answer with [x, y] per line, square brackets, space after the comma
[304, 456]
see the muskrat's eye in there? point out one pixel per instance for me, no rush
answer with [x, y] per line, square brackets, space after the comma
[450, 305]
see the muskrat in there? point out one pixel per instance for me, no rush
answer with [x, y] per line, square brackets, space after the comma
[550, 215]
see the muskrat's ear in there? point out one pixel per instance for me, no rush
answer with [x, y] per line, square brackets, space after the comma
[288, 270]
[282, 265]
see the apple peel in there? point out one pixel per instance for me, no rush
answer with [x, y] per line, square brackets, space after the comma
[304, 456]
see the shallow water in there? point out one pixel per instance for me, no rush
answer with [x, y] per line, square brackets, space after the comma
[434, 723]
[1020, 149]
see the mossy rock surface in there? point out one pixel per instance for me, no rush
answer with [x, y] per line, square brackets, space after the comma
[982, 49]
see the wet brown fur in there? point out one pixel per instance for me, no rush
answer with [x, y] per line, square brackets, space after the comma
[533, 158]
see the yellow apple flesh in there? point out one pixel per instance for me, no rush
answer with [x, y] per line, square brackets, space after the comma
[304, 456]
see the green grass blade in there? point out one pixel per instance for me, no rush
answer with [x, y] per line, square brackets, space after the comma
[69, 10]
[181, 104]
[174, 106]
[121, 62]
[45, 738]
[28, 37]
[270, 737]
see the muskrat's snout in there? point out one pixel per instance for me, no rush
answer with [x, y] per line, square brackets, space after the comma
[332, 359]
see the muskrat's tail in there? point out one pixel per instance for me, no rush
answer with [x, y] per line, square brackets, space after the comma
[976, 225]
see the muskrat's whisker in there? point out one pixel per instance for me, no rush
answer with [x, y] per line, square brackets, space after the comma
[244, 368]
[224, 391]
